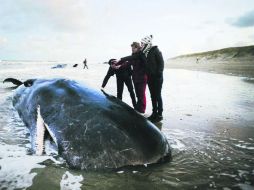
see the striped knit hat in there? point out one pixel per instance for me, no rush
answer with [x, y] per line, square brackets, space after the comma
[147, 39]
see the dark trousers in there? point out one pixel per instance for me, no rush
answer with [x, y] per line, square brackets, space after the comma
[140, 89]
[120, 81]
[155, 85]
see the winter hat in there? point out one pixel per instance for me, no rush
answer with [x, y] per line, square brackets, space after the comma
[147, 39]
[111, 61]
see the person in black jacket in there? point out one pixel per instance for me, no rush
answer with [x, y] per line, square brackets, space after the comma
[154, 70]
[123, 76]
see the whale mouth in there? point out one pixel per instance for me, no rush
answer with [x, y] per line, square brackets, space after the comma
[45, 140]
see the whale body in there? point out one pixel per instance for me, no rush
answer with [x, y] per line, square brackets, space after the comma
[91, 130]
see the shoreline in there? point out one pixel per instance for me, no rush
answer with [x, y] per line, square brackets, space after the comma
[241, 69]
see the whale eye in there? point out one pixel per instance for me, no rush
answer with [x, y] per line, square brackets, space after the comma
[29, 83]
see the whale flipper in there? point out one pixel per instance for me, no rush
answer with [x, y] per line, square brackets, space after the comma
[14, 81]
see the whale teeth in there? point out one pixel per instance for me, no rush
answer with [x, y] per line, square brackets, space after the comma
[41, 129]
[40, 133]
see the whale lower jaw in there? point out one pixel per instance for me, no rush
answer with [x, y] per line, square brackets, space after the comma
[41, 129]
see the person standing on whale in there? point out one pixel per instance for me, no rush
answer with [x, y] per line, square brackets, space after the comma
[123, 76]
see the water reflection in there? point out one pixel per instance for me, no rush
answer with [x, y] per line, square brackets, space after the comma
[158, 125]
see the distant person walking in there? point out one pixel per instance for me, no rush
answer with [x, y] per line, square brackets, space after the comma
[123, 76]
[138, 76]
[85, 64]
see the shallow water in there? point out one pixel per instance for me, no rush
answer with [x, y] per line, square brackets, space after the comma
[208, 120]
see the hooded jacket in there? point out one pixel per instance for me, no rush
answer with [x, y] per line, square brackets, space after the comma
[154, 62]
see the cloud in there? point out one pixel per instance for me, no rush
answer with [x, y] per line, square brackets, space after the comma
[246, 20]
[3, 41]
[53, 15]
[64, 14]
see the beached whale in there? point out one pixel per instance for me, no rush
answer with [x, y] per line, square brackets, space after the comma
[91, 129]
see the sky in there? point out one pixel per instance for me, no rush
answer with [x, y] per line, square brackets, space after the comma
[71, 30]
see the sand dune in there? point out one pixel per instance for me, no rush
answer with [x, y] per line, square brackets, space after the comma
[234, 61]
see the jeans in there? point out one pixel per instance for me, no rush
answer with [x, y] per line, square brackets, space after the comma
[120, 81]
[155, 85]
